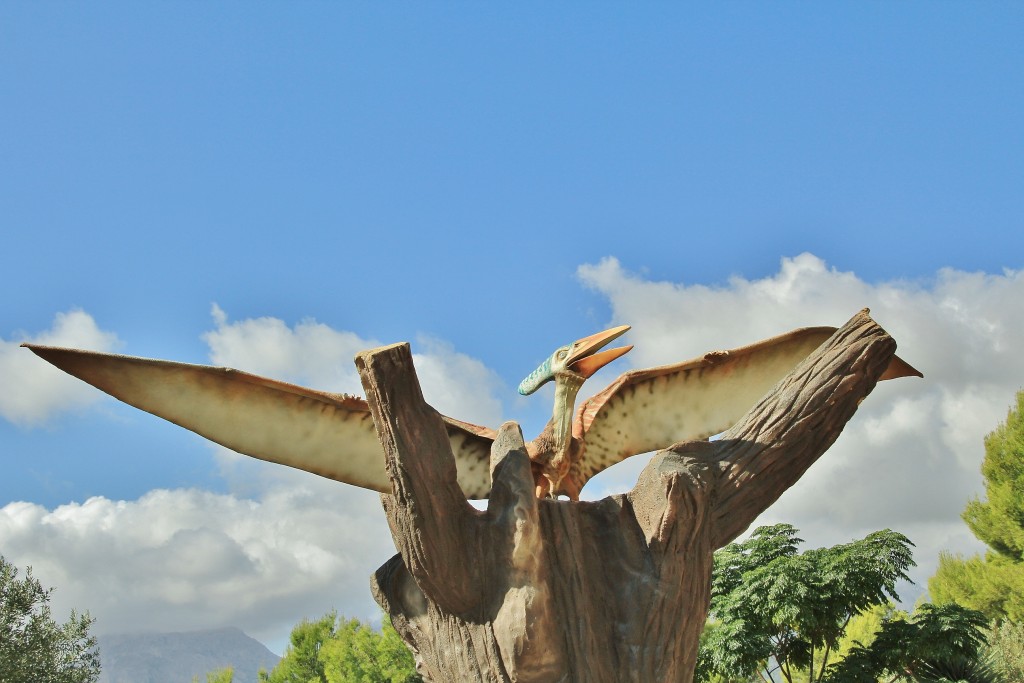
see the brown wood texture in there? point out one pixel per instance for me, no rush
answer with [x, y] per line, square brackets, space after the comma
[607, 591]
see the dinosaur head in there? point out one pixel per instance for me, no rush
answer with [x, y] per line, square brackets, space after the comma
[582, 359]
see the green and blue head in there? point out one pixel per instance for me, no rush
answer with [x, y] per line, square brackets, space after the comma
[582, 358]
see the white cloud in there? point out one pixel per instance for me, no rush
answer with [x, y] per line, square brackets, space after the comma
[458, 385]
[285, 544]
[189, 559]
[34, 391]
[910, 458]
[315, 355]
[281, 545]
[310, 353]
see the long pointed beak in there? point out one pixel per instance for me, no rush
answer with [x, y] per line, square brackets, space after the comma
[584, 357]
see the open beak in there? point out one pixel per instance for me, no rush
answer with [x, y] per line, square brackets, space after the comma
[585, 357]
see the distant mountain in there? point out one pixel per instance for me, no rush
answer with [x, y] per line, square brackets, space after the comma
[178, 657]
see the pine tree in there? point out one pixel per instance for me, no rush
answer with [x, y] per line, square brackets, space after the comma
[993, 584]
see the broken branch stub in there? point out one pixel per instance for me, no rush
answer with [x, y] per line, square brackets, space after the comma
[429, 517]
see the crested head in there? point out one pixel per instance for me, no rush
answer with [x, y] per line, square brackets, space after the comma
[538, 378]
[581, 359]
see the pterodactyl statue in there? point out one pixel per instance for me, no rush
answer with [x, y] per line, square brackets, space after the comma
[333, 434]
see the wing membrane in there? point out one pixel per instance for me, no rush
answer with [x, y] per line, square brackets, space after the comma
[646, 410]
[327, 434]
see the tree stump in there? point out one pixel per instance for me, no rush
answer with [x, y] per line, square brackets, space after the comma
[614, 590]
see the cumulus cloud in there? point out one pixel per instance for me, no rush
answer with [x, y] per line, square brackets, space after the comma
[34, 391]
[189, 559]
[283, 544]
[280, 545]
[458, 385]
[910, 458]
[315, 355]
[310, 353]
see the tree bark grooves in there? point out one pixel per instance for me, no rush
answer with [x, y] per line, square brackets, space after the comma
[613, 590]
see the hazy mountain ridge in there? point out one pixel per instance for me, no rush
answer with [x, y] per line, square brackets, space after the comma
[178, 657]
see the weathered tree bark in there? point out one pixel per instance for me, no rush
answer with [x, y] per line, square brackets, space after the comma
[615, 590]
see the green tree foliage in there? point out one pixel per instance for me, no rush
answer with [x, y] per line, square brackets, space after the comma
[333, 650]
[301, 662]
[863, 627]
[997, 521]
[225, 675]
[772, 603]
[1006, 650]
[958, 670]
[993, 584]
[935, 639]
[778, 612]
[358, 654]
[33, 647]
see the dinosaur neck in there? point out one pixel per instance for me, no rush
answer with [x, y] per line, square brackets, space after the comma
[567, 385]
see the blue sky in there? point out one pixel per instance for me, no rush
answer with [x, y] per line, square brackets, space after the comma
[488, 182]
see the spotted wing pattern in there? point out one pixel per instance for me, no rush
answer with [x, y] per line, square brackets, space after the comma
[327, 434]
[647, 410]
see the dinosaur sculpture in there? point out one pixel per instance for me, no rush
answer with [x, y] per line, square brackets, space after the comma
[333, 434]
[535, 589]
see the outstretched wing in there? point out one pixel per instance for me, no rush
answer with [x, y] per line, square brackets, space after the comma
[327, 434]
[646, 410]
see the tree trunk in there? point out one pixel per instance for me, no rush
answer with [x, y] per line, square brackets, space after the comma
[614, 590]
